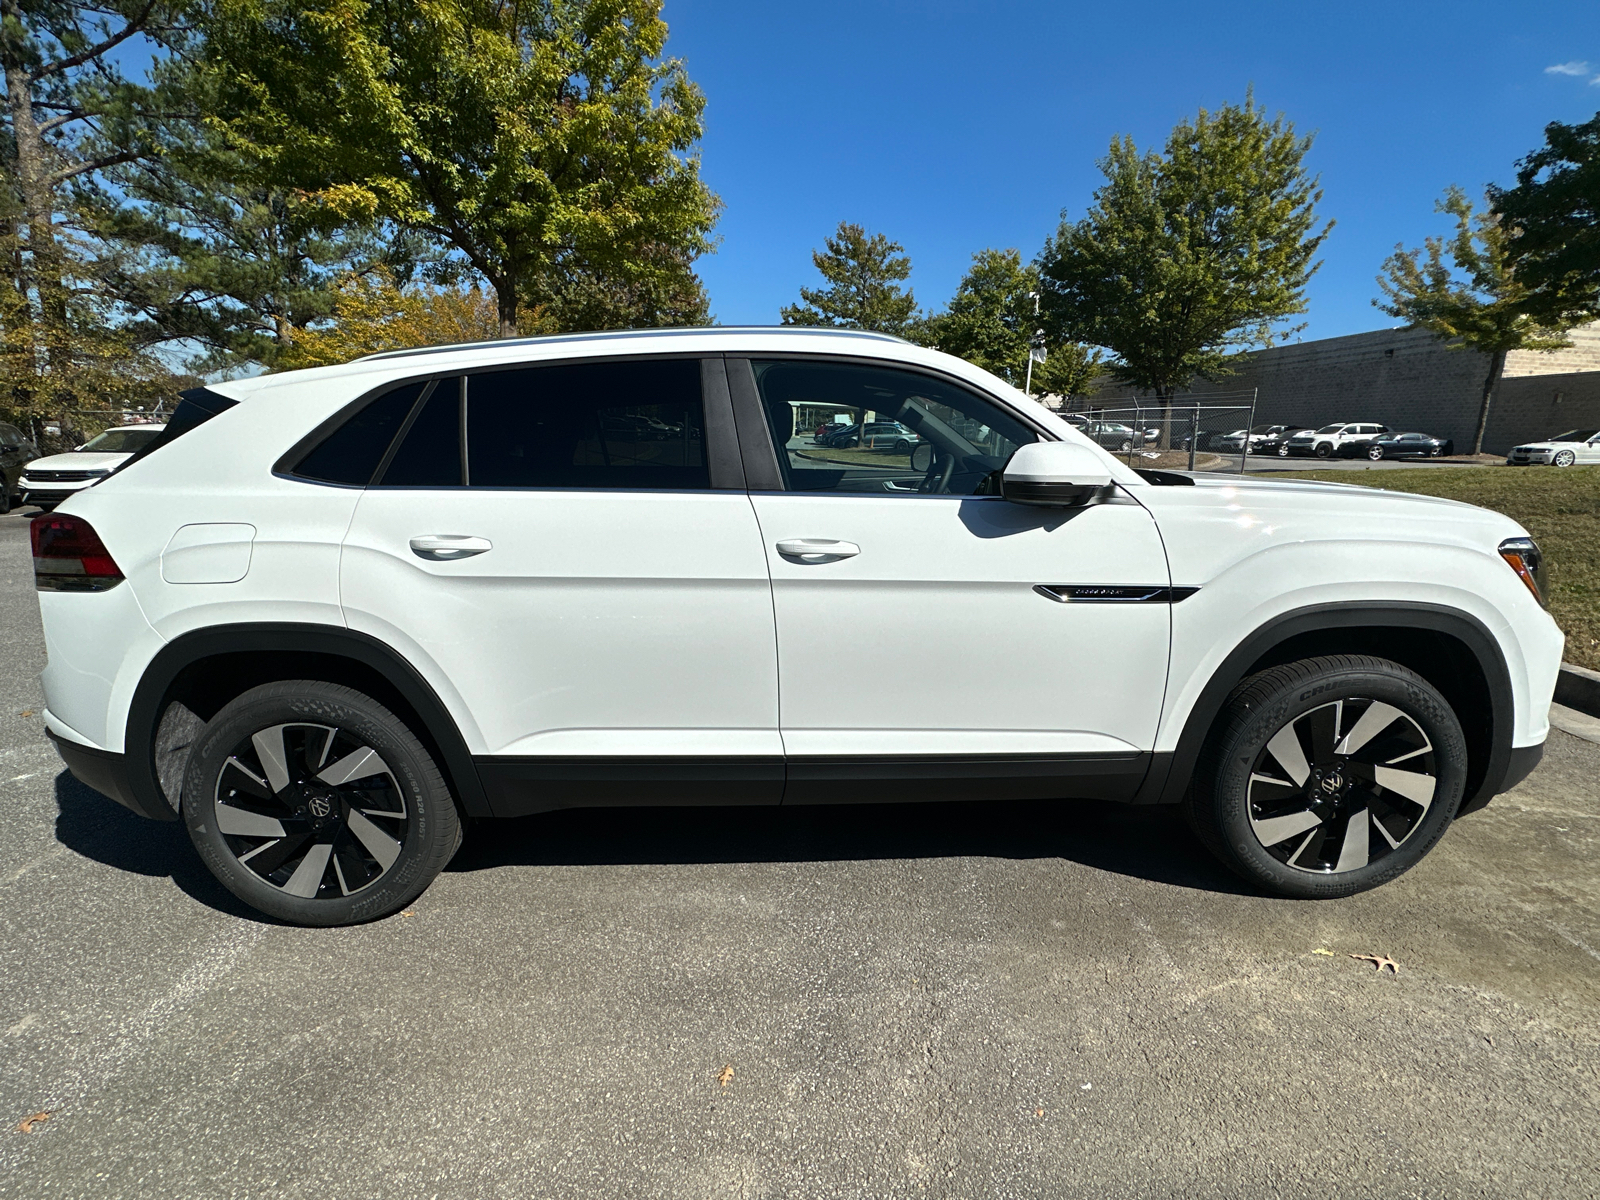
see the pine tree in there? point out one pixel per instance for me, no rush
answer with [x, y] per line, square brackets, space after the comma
[864, 273]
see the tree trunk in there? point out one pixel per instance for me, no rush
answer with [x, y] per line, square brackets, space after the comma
[43, 268]
[1164, 395]
[1497, 366]
[506, 300]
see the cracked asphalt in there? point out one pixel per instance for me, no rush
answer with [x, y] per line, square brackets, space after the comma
[908, 1001]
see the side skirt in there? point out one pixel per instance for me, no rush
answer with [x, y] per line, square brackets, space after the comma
[523, 786]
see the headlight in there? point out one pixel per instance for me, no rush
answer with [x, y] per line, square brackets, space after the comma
[1524, 557]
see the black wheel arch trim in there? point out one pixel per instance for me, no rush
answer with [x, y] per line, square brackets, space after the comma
[1169, 786]
[144, 714]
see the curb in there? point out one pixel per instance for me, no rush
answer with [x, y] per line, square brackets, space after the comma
[1579, 688]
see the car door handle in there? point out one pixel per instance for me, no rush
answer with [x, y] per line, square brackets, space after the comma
[447, 547]
[816, 550]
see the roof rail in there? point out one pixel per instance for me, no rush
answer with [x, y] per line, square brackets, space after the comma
[617, 334]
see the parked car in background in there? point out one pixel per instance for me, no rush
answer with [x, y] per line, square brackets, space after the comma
[1263, 438]
[49, 481]
[1407, 445]
[1114, 435]
[1563, 450]
[16, 452]
[1330, 441]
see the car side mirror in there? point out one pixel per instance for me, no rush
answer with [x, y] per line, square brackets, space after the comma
[922, 457]
[1055, 474]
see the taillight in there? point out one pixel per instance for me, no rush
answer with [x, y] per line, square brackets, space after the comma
[1524, 557]
[68, 556]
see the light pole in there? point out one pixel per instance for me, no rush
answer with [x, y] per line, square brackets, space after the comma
[1035, 346]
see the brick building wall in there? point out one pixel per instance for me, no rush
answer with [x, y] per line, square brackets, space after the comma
[1408, 379]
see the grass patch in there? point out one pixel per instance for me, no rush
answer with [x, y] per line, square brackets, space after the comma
[1559, 507]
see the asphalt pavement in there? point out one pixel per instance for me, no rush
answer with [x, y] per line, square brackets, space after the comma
[1024, 1000]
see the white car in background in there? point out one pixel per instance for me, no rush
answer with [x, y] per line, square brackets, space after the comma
[48, 481]
[1563, 450]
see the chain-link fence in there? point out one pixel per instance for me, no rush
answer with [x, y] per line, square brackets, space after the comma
[1183, 434]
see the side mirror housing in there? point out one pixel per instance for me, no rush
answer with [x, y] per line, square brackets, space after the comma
[1054, 474]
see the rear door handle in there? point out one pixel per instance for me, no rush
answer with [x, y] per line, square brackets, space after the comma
[447, 547]
[816, 550]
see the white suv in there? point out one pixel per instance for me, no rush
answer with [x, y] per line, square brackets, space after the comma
[1331, 441]
[335, 612]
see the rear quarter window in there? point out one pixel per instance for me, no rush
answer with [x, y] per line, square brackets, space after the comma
[351, 453]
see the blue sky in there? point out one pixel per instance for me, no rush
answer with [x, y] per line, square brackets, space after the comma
[953, 125]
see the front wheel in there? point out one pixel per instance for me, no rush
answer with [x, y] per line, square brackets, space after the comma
[1324, 450]
[315, 804]
[1283, 452]
[1329, 776]
[1564, 458]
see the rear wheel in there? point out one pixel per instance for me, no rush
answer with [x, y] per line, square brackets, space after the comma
[5, 495]
[1283, 452]
[1329, 776]
[1375, 453]
[315, 804]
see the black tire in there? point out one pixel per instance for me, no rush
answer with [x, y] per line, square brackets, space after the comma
[264, 767]
[1283, 452]
[5, 496]
[1237, 806]
[902, 447]
[1324, 450]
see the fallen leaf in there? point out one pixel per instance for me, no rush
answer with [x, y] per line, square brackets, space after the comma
[408, 913]
[1320, 950]
[725, 1076]
[27, 712]
[1038, 1112]
[1380, 961]
[27, 1123]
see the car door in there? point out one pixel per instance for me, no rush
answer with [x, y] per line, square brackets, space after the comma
[1590, 450]
[592, 603]
[931, 634]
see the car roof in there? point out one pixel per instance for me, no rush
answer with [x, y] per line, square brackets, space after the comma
[142, 425]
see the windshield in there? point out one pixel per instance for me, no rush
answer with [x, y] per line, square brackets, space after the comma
[1330, 429]
[1575, 435]
[122, 441]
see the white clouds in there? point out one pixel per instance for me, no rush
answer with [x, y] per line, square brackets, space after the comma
[1568, 68]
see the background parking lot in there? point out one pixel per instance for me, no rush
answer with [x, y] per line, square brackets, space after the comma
[954, 1001]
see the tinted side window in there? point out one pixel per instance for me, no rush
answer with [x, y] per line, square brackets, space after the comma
[588, 425]
[430, 453]
[898, 432]
[352, 452]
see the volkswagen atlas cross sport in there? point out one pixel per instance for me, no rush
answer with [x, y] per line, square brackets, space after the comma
[332, 614]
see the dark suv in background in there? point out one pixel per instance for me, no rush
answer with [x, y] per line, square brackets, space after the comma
[16, 452]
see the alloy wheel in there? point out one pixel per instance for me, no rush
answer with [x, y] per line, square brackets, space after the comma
[1341, 786]
[1564, 458]
[311, 810]
[1375, 453]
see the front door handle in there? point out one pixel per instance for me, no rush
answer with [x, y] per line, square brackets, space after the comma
[447, 547]
[816, 550]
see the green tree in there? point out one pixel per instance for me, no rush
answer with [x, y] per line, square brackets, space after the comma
[864, 273]
[70, 115]
[1554, 217]
[992, 321]
[543, 143]
[1187, 257]
[1477, 299]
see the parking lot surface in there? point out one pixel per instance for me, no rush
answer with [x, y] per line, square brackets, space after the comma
[1026, 1000]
